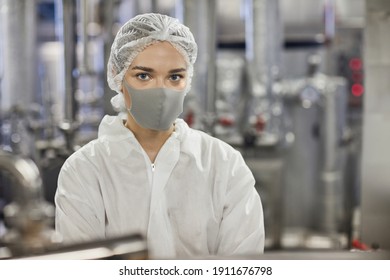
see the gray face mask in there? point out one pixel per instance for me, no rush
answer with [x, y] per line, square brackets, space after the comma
[155, 108]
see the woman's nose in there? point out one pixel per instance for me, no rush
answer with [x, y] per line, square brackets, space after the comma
[161, 82]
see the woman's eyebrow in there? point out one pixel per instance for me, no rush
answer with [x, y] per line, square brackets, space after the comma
[143, 68]
[151, 70]
[177, 70]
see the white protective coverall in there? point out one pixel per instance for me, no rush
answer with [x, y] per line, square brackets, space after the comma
[197, 199]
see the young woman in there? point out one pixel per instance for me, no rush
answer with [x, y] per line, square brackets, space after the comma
[147, 172]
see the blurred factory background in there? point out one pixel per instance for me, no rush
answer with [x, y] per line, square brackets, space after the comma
[300, 87]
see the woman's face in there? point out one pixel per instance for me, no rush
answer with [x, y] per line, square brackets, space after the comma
[159, 65]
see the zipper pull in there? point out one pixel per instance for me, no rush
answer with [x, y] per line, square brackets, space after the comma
[153, 167]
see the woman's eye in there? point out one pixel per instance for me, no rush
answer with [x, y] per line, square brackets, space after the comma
[143, 76]
[176, 77]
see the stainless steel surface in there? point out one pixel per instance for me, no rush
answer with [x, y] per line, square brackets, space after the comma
[28, 216]
[375, 197]
[306, 18]
[325, 255]
[313, 255]
[26, 174]
[268, 170]
[128, 247]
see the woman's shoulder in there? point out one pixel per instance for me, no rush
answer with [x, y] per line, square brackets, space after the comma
[83, 156]
[110, 142]
[198, 140]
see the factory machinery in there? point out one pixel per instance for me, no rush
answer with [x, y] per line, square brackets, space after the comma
[285, 89]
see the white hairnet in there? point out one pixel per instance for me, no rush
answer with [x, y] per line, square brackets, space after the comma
[138, 33]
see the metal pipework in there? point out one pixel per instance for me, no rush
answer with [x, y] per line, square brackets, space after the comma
[329, 96]
[200, 16]
[18, 40]
[69, 41]
[84, 67]
[317, 106]
[108, 23]
[330, 176]
[263, 43]
[29, 215]
[329, 19]
[68, 35]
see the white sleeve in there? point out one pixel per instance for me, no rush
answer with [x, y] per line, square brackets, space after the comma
[242, 227]
[79, 206]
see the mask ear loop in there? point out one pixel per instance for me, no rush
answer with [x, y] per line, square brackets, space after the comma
[127, 87]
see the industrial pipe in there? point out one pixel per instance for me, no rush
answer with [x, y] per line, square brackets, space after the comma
[84, 67]
[108, 23]
[18, 39]
[200, 16]
[68, 38]
[67, 20]
[330, 173]
[263, 44]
